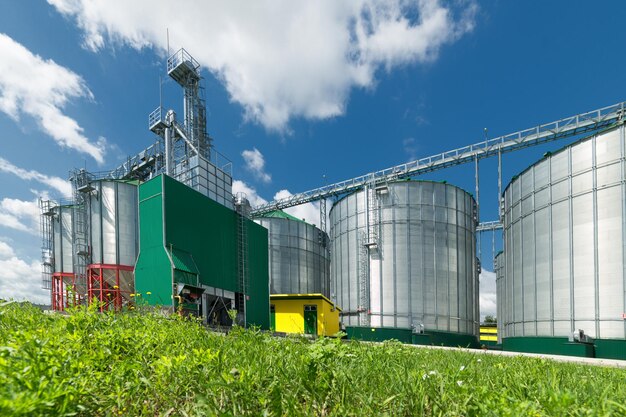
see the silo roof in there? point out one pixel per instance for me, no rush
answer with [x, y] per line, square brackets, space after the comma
[282, 215]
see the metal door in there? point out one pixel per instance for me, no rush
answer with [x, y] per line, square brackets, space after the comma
[310, 319]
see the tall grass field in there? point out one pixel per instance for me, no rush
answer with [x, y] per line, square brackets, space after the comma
[141, 363]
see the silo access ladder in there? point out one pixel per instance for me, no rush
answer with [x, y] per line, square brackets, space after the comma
[242, 258]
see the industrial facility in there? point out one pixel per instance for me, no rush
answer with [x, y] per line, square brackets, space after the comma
[127, 237]
[405, 258]
[394, 257]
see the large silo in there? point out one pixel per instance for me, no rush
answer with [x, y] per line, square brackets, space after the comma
[113, 210]
[62, 239]
[565, 243]
[403, 257]
[298, 255]
[63, 280]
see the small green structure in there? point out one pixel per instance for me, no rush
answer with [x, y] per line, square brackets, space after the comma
[199, 255]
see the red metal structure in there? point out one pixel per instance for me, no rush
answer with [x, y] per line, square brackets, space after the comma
[110, 285]
[64, 291]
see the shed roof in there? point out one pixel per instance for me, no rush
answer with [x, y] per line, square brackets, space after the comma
[184, 262]
[314, 296]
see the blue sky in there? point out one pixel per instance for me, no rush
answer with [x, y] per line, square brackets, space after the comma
[296, 92]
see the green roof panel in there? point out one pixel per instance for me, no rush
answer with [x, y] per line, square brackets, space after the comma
[282, 215]
[184, 262]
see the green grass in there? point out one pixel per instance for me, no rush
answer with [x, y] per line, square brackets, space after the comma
[140, 363]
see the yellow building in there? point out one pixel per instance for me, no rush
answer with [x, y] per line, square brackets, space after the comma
[304, 314]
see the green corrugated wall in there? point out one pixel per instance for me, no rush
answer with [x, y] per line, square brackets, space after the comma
[205, 229]
[379, 334]
[173, 216]
[258, 306]
[153, 271]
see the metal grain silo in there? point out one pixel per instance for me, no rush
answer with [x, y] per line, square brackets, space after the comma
[62, 239]
[565, 242]
[403, 256]
[66, 291]
[113, 212]
[298, 255]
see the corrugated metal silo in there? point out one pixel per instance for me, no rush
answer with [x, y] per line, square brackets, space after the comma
[564, 242]
[66, 291]
[420, 268]
[114, 228]
[298, 255]
[62, 239]
[113, 216]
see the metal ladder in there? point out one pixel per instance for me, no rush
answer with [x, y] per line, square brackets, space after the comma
[372, 217]
[47, 256]
[242, 253]
[80, 229]
[369, 242]
[364, 278]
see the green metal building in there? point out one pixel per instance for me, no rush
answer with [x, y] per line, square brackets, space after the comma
[197, 254]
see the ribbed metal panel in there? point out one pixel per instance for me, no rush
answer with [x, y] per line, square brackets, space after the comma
[564, 243]
[113, 223]
[62, 239]
[298, 257]
[423, 271]
[500, 293]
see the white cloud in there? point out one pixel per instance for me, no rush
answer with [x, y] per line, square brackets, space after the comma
[39, 88]
[62, 186]
[19, 215]
[282, 59]
[309, 212]
[249, 192]
[21, 279]
[487, 294]
[6, 251]
[255, 163]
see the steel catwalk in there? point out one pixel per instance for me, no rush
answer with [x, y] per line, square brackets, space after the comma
[420, 269]
[565, 241]
[298, 257]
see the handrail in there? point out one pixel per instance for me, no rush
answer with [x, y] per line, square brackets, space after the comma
[567, 127]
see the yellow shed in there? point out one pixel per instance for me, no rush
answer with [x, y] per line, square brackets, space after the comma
[304, 314]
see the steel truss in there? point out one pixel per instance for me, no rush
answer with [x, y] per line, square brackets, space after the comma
[570, 126]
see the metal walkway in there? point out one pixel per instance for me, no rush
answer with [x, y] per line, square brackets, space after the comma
[571, 126]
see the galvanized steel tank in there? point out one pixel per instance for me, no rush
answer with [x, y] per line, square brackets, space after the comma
[114, 229]
[564, 228]
[62, 239]
[420, 268]
[298, 255]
